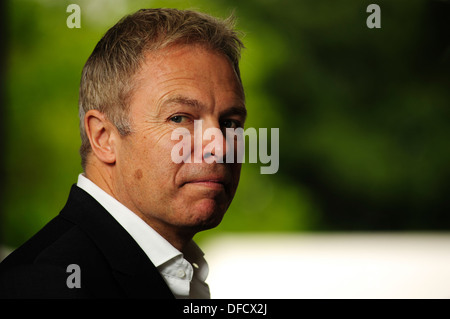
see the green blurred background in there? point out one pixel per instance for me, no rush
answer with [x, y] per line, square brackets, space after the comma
[364, 114]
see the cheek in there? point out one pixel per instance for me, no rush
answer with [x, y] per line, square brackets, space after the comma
[138, 174]
[151, 184]
[151, 167]
[152, 150]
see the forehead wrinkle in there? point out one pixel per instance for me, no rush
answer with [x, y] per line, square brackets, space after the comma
[178, 99]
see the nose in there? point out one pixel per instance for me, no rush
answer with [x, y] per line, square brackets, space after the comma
[210, 143]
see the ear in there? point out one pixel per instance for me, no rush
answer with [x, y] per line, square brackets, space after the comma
[101, 133]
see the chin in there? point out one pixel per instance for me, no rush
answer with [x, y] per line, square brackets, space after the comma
[206, 214]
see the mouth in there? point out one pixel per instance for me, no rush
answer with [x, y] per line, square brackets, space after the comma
[208, 182]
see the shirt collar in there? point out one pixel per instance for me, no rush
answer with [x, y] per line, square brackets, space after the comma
[195, 256]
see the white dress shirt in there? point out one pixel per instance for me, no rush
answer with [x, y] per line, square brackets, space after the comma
[185, 274]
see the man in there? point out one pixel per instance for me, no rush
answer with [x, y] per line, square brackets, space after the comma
[127, 228]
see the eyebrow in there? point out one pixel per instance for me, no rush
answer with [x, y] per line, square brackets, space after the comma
[235, 110]
[183, 100]
[179, 99]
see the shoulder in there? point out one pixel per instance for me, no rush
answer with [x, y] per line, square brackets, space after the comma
[42, 266]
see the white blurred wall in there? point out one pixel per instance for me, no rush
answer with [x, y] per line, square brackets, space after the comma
[372, 265]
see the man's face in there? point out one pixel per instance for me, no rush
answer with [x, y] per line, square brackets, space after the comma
[175, 87]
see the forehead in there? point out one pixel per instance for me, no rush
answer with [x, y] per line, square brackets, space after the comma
[191, 71]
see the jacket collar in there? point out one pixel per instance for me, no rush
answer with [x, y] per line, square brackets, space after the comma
[131, 267]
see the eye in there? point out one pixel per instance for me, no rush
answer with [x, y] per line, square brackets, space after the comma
[230, 124]
[178, 119]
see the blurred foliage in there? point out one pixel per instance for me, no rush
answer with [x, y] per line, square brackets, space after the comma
[363, 113]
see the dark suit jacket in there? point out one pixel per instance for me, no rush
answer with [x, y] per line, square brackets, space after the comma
[111, 263]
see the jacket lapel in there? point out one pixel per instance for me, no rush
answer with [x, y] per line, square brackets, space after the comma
[131, 267]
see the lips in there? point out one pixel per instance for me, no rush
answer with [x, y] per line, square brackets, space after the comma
[216, 182]
[208, 184]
